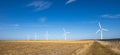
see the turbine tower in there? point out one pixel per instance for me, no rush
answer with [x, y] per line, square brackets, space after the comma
[101, 30]
[46, 35]
[65, 33]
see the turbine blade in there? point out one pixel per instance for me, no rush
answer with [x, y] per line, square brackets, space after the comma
[105, 29]
[99, 24]
[98, 30]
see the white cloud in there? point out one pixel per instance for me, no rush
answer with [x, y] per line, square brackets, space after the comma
[15, 25]
[40, 5]
[37, 25]
[111, 16]
[70, 1]
[9, 26]
[42, 19]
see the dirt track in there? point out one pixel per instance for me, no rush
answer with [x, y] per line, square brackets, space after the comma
[98, 49]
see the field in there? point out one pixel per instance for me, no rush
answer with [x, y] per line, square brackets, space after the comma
[84, 47]
[113, 45]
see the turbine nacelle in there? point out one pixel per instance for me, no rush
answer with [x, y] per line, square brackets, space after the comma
[102, 29]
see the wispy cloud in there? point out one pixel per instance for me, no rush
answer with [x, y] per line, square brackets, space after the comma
[43, 19]
[70, 1]
[116, 16]
[40, 5]
[15, 25]
[37, 25]
[9, 26]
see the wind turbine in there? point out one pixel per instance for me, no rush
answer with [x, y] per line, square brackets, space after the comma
[65, 33]
[101, 30]
[35, 36]
[46, 35]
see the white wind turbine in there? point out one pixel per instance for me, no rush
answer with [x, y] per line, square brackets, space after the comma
[65, 33]
[46, 35]
[101, 30]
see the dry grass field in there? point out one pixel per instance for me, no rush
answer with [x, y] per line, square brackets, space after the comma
[85, 47]
[114, 45]
[41, 47]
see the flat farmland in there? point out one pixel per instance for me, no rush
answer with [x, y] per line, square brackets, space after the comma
[60, 47]
[43, 47]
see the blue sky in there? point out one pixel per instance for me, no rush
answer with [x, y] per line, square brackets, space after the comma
[19, 18]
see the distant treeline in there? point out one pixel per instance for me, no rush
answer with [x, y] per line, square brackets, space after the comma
[116, 39]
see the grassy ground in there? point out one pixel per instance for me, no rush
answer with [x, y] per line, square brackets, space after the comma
[87, 47]
[98, 49]
[40, 47]
[114, 45]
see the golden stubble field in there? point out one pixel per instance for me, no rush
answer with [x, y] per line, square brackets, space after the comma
[60, 47]
[113, 45]
[43, 47]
